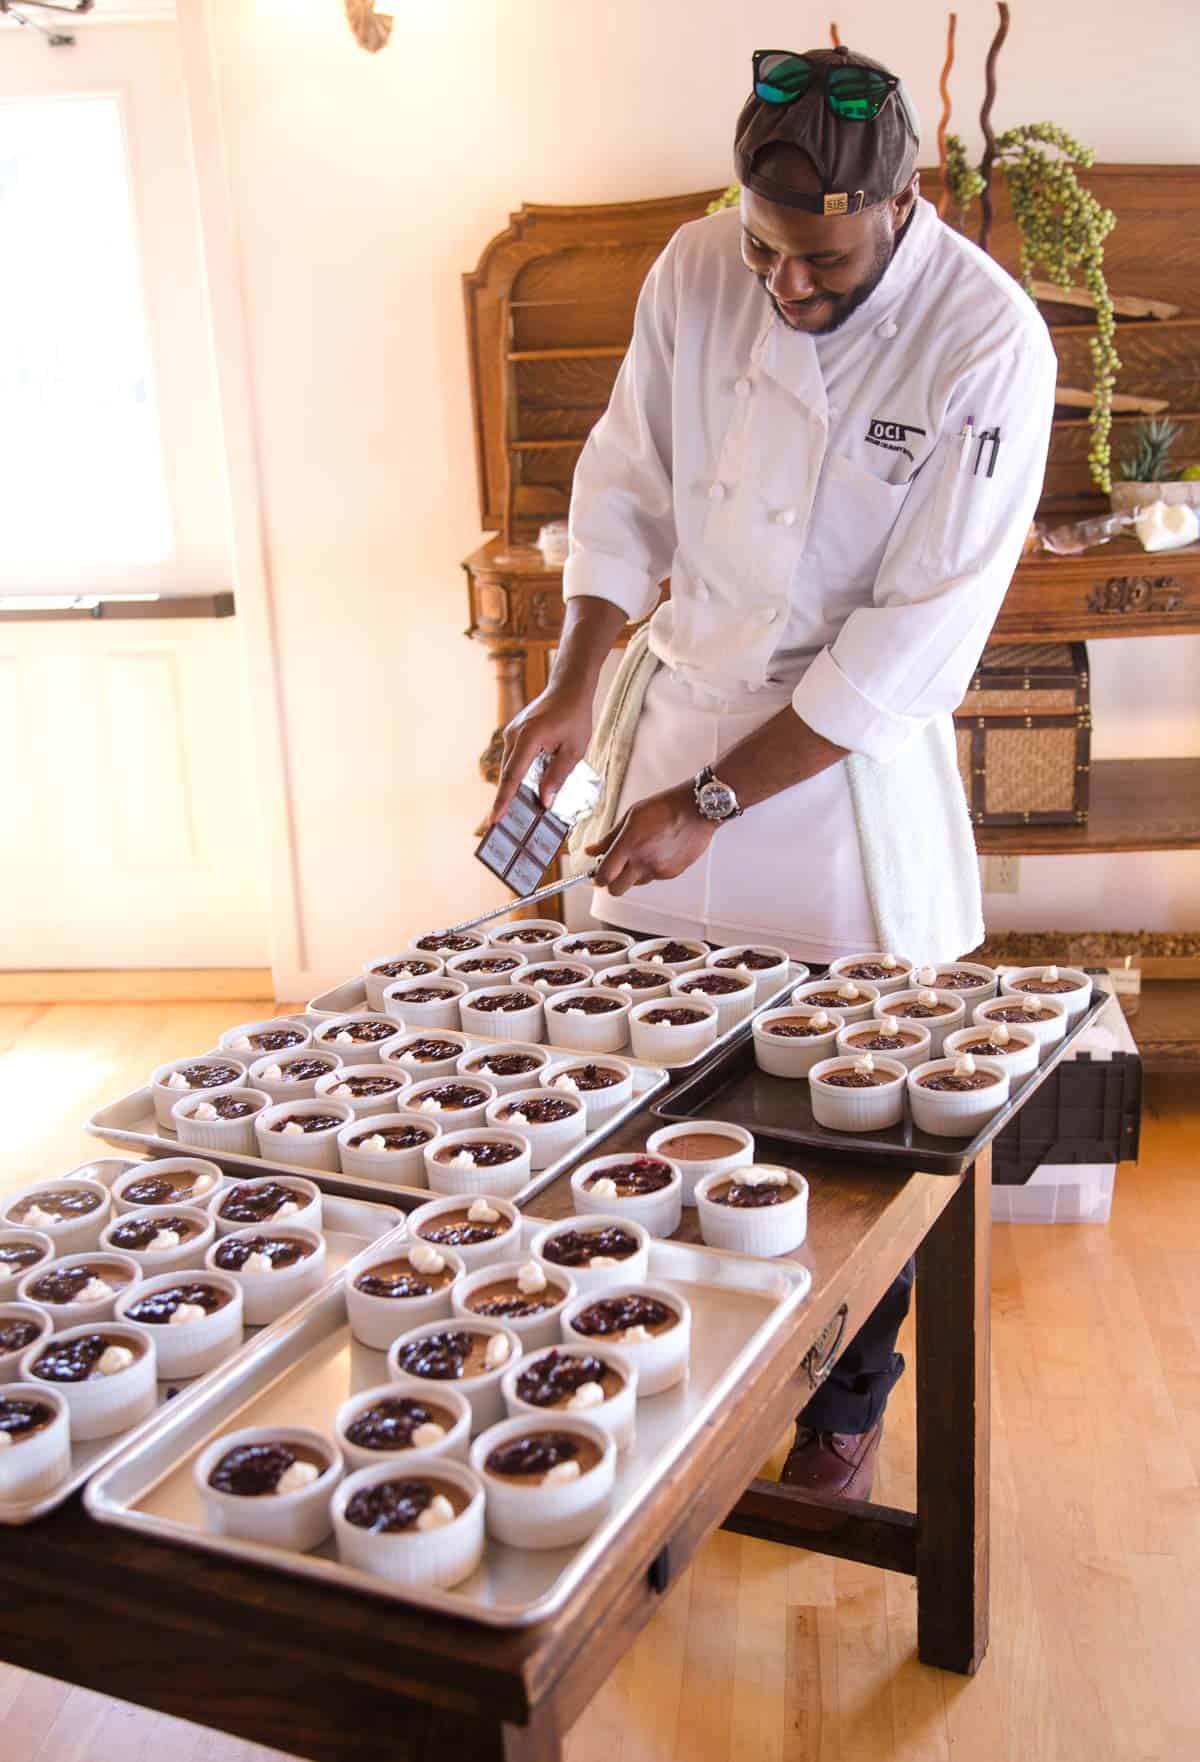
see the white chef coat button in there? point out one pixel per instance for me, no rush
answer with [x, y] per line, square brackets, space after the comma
[742, 387]
[888, 328]
[716, 492]
[702, 593]
[786, 516]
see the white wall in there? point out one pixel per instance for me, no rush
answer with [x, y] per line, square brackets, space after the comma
[362, 187]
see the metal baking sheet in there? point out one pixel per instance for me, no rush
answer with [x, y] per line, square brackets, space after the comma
[350, 1227]
[734, 1089]
[301, 1374]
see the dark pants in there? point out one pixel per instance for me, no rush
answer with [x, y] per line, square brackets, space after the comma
[854, 1394]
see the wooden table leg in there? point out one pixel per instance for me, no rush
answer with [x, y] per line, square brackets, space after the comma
[953, 1427]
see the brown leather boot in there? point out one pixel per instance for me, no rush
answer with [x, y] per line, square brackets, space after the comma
[837, 1465]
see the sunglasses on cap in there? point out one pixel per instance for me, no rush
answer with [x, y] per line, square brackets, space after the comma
[857, 94]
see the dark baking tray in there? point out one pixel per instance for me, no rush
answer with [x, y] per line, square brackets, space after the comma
[732, 1088]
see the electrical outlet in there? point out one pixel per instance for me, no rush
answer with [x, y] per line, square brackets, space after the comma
[1001, 874]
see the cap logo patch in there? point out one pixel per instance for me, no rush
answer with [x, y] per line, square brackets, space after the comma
[839, 204]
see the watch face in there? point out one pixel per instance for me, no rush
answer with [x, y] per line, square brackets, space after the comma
[717, 801]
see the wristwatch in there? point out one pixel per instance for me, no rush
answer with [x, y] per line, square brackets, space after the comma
[715, 800]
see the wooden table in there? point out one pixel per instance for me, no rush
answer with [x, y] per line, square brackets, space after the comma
[328, 1675]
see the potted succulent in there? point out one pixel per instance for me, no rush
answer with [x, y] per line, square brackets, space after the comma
[1147, 472]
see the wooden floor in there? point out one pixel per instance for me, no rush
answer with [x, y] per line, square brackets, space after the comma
[766, 1655]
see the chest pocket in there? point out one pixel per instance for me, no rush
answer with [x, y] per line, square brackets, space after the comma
[852, 520]
[966, 514]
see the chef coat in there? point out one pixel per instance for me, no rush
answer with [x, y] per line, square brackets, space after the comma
[820, 520]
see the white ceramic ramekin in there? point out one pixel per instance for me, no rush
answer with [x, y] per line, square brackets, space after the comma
[1074, 1001]
[20, 1310]
[526, 1023]
[195, 1181]
[423, 1099]
[514, 933]
[693, 1169]
[895, 977]
[599, 1104]
[421, 1070]
[269, 1075]
[761, 1230]
[330, 1088]
[37, 1465]
[304, 1195]
[1047, 1033]
[189, 1250]
[475, 977]
[983, 988]
[615, 979]
[165, 1093]
[915, 1035]
[301, 1150]
[12, 1272]
[567, 1024]
[616, 1414]
[298, 1520]
[441, 1556]
[426, 965]
[540, 1514]
[482, 1391]
[938, 1026]
[767, 980]
[658, 1213]
[339, 1034]
[855, 998]
[377, 1321]
[478, 1060]
[547, 1139]
[70, 1235]
[191, 1347]
[268, 1295]
[585, 946]
[649, 953]
[541, 1329]
[426, 1014]
[672, 1044]
[231, 1040]
[102, 1405]
[502, 1246]
[232, 1137]
[464, 1182]
[596, 1278]
[663, 1359]
[1019, 1058]
[948, 1113]
[404, 1166]
[453, 1443]
[551, 977]
[858, 1110]
[732, 1006]
[74, 1312]
[782, 1056]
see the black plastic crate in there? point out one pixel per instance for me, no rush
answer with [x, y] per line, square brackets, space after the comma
[1088, 1110]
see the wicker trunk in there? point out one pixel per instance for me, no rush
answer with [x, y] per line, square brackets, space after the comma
[1024, 736]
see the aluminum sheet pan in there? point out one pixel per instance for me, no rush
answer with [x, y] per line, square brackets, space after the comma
[301, 1374]
[351, 1226]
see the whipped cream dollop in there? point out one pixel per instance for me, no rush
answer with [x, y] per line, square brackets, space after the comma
[95, 1291]
[925, 976]
[258, 1262]
[273, 1073]
[425, 1257]
[205, 1111]
[241, 1044]
[480, 1212]
[1050, 974]
[293, 1478]
[430, 1104]
[376, 1142]
[343, 1037]
[864, 1065]
[889, 961]
[587, 1395]
[462, 1159]
[177, 1080]
[888, 1025]
[496, 1352]
[437, 1514]
[517, 1118]
[636, 1335]
[164, 1239]
[187, 1312]
[561, 1473]
[5, 1440]
[35, 1217]
[113, 1359]
[428, 1434]
[343, 1091]
[927, 997]
[566, 1081]
[1000, 1034]
[530, 1279]
[287, 1209]
[822, 1020]
[603, 1260]
[759, 1175]
[849, 991]
[964, 1065]
[604, 1188]
[293, 1130]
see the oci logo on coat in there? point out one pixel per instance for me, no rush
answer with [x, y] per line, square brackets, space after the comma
[892, 435]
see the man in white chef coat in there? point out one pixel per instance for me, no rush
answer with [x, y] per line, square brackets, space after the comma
[830, 433]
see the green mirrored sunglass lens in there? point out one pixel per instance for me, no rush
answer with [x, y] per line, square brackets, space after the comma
[857, 93]
[782, 77]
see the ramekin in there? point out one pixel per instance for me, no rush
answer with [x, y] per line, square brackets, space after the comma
[335, 1035]
[851, 1009]
[404, 1167]
[617, 1415]
[69, 1235]
[596, 1278]
[475, 981]
[899, 979]
[506, 1179]
[648, 953]
[780, 1057]
[262, 1073]
[910, 1055]
[473, 1063]
[189, 1348]
[1020, 1060]
[938, 1026]
[37, 1466]
[658, 1213]
[612, 979]
[693, 1171]
[10, 1280]
[767, 980]
[765, 1231]
[532, 1330]
[1075, 1002]
[661, 1361]
[1048, 1033]
[376, 983]
[443, 1556]
[574, 947]
[76, 1313]
[425, 1015]
[303, 1150]
[24, 1310]
[858, 1110]
[149, 1261]
[377, 1321]
[970, 994]
[227, 1137]
[421, 1100]
[454, 1445]
[599, 1104]
[509, 934]
[732, 1006]
[267, 1296]
[663, 1044]
[326, 1088]
[587, 1033]
[547, 1139]
[420, 1070]
[483, 1391]
[298, 1520]
[578, 976]
[472, 1254]
[230, 1038]
[100, 1406]
[538, 1516]
[956, 1114]
[528, 1023]
[165, 1096]
[307, 1197]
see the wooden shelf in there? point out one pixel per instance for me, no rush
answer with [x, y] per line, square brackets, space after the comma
[1136, 804]
[1167, 1025]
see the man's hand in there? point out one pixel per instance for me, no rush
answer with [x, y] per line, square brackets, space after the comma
[558, 722]
[658, 839]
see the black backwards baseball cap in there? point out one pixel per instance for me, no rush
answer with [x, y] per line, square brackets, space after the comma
[859, 128]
